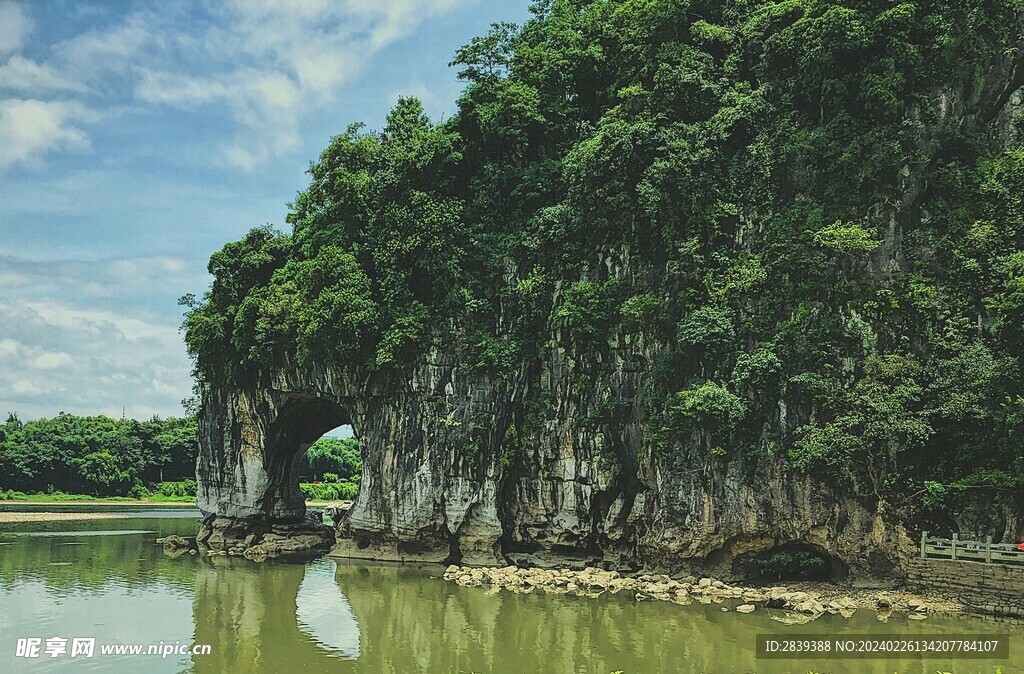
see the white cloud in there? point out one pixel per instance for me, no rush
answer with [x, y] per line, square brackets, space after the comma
[67, 317]
[114, 50]
[22, 74]
[396, 18]
[8, 347]
[103, 361]
[14, 26]
[273, 61]
[25, 388]
[135, 269]
[90, 337]
[273, 9]
[31, 128]
[179, 90]
[266, 64]
[262, 63]
[52, 360]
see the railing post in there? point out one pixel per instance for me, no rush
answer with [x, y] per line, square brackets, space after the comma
[988, 549]
[955, 537]
[924, 540]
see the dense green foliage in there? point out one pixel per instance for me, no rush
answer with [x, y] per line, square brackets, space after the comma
[337, 464]
[71, 458]
[330, 491]
[806, 206]
[792, 565]
[332, 457]
[96, 455]
[180, 489]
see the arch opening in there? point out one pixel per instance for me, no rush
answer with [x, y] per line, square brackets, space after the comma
[250, 492]
[330, 469]
[305, 454]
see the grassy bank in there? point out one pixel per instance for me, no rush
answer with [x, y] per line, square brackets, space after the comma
[61, 497]
[183, 491]
[169, 494]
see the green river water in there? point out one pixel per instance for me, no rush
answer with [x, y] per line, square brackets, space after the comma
[108, 580]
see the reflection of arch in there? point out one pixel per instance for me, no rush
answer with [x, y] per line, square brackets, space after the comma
[249, 615]
[323, 613]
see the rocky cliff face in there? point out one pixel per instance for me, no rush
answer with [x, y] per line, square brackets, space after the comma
[451, 473]
[805, 252]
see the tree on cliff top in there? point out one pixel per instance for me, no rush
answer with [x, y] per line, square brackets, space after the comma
[822, 199]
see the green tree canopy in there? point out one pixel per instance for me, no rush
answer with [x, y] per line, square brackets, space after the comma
[812, 209]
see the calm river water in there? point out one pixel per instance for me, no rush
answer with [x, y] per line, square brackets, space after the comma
[108, 580]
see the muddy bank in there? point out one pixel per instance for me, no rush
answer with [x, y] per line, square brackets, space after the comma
[793, 604]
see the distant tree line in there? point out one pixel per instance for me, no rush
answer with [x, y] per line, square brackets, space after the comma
[95, 455]
[101, 456]
[331, 460]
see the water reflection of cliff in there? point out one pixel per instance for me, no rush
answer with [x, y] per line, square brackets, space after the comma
[365, 618]
[272, 618]
[413, 623]
[392, 620]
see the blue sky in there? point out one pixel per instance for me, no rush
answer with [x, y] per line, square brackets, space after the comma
[137, 138]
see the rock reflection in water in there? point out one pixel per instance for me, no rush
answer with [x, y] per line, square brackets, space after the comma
[414, 623]
[323, 613]
[270, 617]
[359, 617]
[411, 621]
[378, 618]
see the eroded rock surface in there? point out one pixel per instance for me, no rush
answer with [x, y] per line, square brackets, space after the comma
[262, 540]
[457, 468]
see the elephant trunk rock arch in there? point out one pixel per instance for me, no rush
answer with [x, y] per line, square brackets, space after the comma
[455, 471]
[248, 470]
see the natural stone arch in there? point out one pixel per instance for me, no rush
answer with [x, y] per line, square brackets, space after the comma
[302, 420]
[248, 471]
[430, 481]
[454, 471]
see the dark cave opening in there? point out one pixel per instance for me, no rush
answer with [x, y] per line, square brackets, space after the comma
[793, 560]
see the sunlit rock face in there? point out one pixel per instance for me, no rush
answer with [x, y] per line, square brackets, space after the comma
[454, 470]
[248, 473]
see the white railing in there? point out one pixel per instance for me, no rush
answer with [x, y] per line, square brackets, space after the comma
[962, 550]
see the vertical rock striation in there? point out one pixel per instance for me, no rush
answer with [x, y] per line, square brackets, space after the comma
[450, 474]
[820, 245]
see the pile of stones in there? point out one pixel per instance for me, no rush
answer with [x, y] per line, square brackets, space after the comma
[782, 604]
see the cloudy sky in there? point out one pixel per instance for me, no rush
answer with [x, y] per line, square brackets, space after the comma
[138, 137]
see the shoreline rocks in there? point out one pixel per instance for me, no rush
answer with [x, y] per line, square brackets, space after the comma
[792, 605]
[259, 541]
[176, 546]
